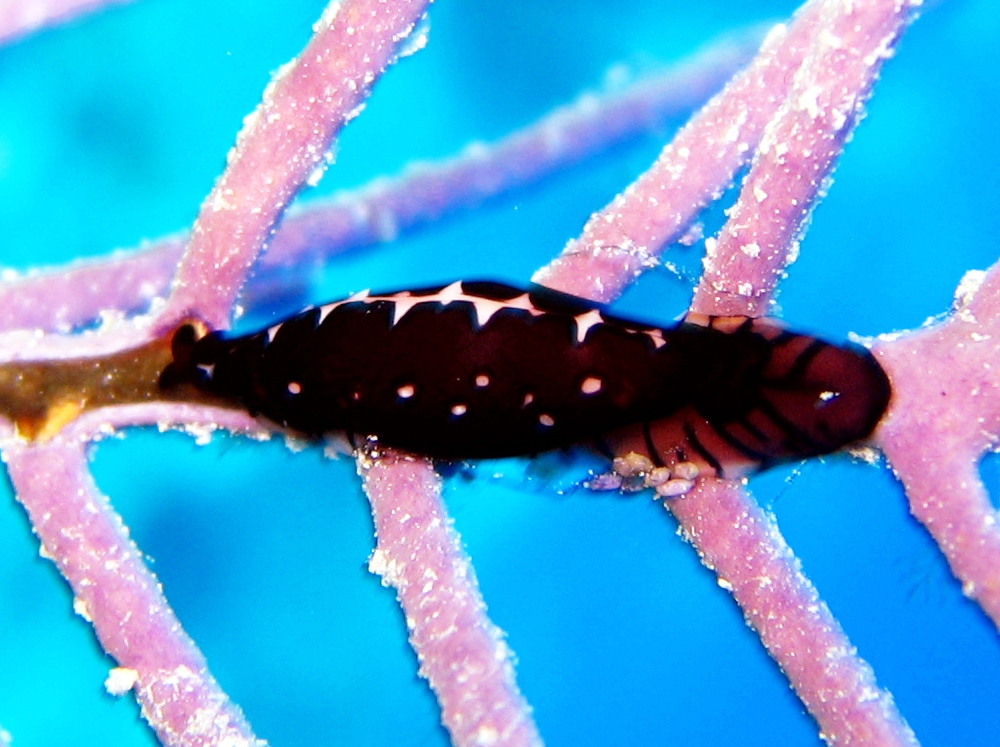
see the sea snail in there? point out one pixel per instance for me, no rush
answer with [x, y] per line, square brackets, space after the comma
[482, 369]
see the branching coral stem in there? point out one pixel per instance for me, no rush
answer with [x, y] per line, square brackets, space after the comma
[60, 299]
[284, 144]
[115, 591]
[945, 416]
[462, 654]
[620, 241]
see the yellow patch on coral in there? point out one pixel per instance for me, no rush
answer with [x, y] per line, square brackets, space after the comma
[57, 416]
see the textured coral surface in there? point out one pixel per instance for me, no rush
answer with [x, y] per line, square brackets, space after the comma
[112, 129]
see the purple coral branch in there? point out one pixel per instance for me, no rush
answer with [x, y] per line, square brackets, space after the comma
[792, 166]
[64, 298]
[567, 135]
[462, 654]
[61, 299]
[115, 591]
[742, 544]
[621, 241]
[944, 381]
[284, 144]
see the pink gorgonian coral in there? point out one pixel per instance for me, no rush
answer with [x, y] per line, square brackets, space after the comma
[786, 117]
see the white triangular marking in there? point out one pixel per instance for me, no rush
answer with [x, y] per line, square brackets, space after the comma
[403, 303]
[657, 337]
[524, 303]
[585, 321]
[485, 308]
[324, 312]
[450, 293]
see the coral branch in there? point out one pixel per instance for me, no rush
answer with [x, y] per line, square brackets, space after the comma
[944, 380]
[568, 134]
[742, 544]
[620, 241]
[462, 654]
[286, 142]
[113, 589]
[59, 300]
[797, 154]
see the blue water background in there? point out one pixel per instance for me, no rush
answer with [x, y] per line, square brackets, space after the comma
[112, 130]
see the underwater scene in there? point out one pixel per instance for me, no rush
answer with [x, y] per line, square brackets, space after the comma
[114, 127]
